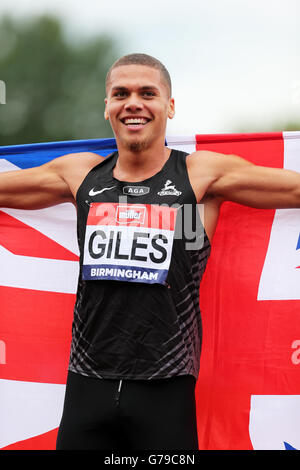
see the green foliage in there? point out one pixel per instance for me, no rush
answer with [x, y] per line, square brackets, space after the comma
[54, 87]
[275, 126]
[288, 125]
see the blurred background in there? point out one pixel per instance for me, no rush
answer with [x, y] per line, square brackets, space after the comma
[234, 64]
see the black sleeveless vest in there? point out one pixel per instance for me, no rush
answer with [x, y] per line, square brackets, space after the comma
[143, 251]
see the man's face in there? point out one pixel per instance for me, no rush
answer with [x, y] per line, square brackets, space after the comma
[137, 106]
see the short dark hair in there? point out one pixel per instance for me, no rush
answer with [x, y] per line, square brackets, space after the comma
[142, 59]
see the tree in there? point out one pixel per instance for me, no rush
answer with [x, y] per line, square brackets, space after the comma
[54, 88]
[275, 126]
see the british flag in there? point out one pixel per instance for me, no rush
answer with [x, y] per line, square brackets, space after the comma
[248, 391]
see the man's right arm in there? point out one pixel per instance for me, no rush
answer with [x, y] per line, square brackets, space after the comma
[35, 188]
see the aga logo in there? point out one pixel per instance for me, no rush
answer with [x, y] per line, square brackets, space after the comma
[136, 190]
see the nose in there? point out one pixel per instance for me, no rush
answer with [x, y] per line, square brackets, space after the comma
[133, 103]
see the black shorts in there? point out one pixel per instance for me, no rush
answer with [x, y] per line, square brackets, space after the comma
[105, 414]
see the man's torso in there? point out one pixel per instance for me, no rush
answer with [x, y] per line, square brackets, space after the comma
[150, 325]
[77, 168]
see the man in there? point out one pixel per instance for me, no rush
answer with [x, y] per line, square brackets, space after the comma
[136, 336]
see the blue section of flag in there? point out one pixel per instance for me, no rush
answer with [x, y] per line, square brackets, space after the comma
[298, 243]
[30, 155]
[288, 446]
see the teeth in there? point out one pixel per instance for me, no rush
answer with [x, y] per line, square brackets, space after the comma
[135, 121]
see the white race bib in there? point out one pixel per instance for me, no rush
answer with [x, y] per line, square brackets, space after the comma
[128, 242]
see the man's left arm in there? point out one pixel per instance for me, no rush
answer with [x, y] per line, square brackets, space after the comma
[238, 180]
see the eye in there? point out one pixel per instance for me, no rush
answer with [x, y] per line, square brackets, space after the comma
[120, 94]
[148, 94]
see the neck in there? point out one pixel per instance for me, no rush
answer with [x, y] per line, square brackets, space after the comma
[138, 166]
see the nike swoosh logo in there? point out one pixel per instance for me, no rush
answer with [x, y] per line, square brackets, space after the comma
[94, 193]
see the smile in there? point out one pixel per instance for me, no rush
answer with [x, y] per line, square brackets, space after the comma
[135, 122]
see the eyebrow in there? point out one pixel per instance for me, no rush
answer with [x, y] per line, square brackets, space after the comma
[143, 88]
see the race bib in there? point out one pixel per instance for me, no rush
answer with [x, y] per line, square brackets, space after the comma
[128, 242]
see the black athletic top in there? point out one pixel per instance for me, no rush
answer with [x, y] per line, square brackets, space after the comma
[143, 251]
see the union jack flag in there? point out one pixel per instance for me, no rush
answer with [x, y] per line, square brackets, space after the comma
[248, 391]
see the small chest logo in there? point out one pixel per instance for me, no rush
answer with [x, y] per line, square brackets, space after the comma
[169, 190]
[136, 190]
[126, 214]
[94, 193]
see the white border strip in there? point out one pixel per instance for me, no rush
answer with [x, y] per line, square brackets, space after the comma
[291, 135]
[184, 143]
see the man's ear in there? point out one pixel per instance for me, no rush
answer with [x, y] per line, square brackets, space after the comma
[171, 112]
[105, 110]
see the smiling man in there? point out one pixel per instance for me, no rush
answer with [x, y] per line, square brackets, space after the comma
[136, 337]
[140, 124]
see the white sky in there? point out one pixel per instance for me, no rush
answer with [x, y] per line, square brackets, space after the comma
[232, 62]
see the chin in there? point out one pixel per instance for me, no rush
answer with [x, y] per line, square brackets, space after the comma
[137, 146]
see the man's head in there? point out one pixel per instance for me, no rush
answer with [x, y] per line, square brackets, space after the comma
[142, 59]
[138, 102]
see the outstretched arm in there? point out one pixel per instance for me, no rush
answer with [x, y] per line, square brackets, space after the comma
[235, 179]
[34, 188]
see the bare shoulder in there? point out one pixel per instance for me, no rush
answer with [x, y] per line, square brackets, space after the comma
[211, 166]
[75, 160]
[206, 159]
[204, 156]
[74, 167]
[202, 167]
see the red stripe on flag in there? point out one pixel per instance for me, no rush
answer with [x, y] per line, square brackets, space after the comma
[232, 139]
[45, 441]
[263, 149]
[21, 239]
[36, 329]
